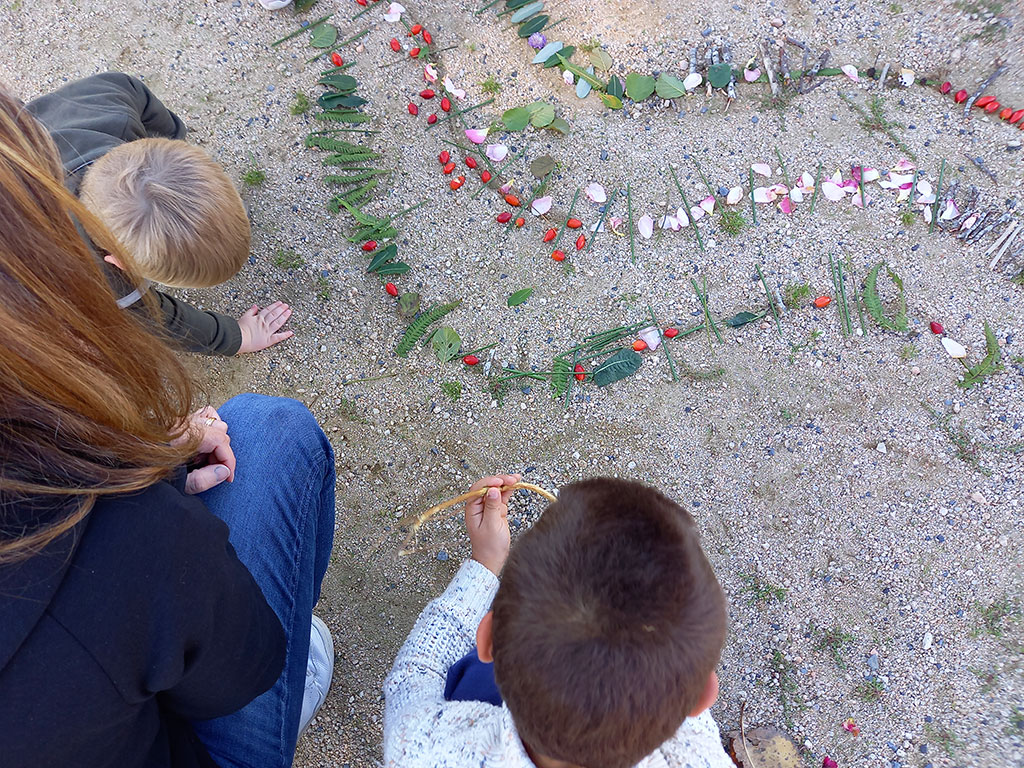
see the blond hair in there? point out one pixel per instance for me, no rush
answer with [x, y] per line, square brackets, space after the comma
[173, 208]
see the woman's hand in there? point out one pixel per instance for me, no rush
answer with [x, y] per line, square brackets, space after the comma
[214, 459]
[487, 522]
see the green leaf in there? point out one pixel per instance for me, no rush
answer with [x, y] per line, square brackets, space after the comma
[669, 87]
[620, 365]
[873, 303]
[513, 4]
[639, 87]
[335, 100]
[543, 117]
[566, 64]
[614, 87]
[560, 125]
[394, 268]
[446, 343]
[324, 36]
[559, 377]
[408, 304]
[612, 102]
[516, 119]
[600, 59]
[419, 326]
[519, 297]
[719, 75]
[553, 60]
[743, 318]
[344, 83]
[990, 365]
[536, 24]
[543, 165]
[382, 257]
[527, 11]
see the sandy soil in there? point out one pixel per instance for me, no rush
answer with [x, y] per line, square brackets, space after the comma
[779, 459]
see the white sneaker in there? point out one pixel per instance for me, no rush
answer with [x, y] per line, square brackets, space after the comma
[274, 5]
[319, 670]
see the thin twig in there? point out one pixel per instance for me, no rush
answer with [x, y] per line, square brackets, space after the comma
[768, 295]
[600, 221]
[668, 355]
[459, 112]
[753, 205]
[300, 30]
[702, 297]
[977, 94]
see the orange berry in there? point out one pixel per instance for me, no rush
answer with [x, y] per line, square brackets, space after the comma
[574, 223]
[512, 200]
[558, 255]
[822, 301]
[639, 345]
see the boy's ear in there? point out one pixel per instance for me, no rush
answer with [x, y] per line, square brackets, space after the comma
[112, 259]
[485, 640]
[707, 698]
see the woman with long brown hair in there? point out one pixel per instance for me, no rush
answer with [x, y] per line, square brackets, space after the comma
[157, 578]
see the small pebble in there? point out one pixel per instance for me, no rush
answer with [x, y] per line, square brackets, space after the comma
[926, 641]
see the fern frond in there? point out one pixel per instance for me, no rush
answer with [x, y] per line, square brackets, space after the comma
[353, 178]
[342, 159]
[332, 144]
[364, 219]
[560, 371]
[987, 367]
[343, 116]
[418, 328]
[873, 303]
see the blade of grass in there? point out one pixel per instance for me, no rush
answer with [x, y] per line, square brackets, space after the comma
[753, 205]
[782, 164]
[300, 30]
[352, 39]
[459, 112]
[565, 224]
[629, 213]
[938, 191]
[702, 297]
[700, 172]
[607, 208]
[686, 207]
[484, 8]
[817, 184]
[668, 355]
[501, 171]
[768, 295]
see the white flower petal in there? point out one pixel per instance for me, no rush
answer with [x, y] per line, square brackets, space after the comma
[496, 152]
[796, 195]
[430, 74]
[652, 336]
[449, 86]
[734, 196]
[950, 212]
[568, 77]
[764, 195]
[692, 80]
[953, 348]
[645, 227]
[924, 187]
[762, 169]
[851, 72]
[541, 205]
[832, 191]
[595, 193]
[806, 182]
[394, 12]
[903, 166]
[696, 212]
[869, 174]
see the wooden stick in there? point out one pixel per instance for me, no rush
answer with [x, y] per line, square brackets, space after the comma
[1002, 250]
[769, 71]
[977, 94]
[415, 521]
[999, 240]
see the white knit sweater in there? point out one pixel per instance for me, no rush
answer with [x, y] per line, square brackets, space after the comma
[422, 730]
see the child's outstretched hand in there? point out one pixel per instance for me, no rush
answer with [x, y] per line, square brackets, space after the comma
[260, 326]
[487, 522]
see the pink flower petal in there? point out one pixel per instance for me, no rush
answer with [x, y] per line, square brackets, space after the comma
[615, 222]
[734, 196]
[449, 85]
[860, 200]
[832, 191]
[786, 206]
[505, 188]
[568, 77]
[541, 205]
[950, 212]
[475, 135]
[850, 184]
[750, 75]
[904, 166]
[870, 174]
[497, 152]
[652, 336]
[430, 74]
[708, 204]
[779, 189]
[645, 227]
[696, 212]
[394, 13]
[764, 195]
[851, 72]
[762, 169]
[670, 222]
[837, 177]
[595, 193]
[968, 223]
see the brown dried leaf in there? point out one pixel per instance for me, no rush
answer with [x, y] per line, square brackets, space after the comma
[764, 748]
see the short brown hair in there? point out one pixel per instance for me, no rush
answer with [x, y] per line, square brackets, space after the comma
[174, 209]
[607, 625]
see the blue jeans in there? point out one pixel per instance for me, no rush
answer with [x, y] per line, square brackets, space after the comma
[280, 514]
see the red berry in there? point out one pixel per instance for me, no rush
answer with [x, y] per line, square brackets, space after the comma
[361, 2]
[414, 53]
[416, 29]
[580, 372]
[558, 255]
[822, 301]
[512, 200]
[960, 96]
[944, 88]
[456, 183]
[427, 38]
[936, 327]
[992, 106]
[395, 45]
[639, 345]
[550, 235]
[446, 104]
[471, 359]
[504, 217]
[670, 333]
[485, 176]
[1005, 113]
[580, 242]
[984, 101]
[336, 59]
[574, 223]
[449, 167]
[444, 157]
[1017, 115]
[370, 245]
[520, 221]
[413, 109]
[392, 289]
[426, 93]
[471, 162]
[431, 119]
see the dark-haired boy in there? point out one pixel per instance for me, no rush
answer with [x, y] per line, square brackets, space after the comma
[605, 632]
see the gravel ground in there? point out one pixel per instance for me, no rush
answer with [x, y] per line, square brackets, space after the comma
[870, 550]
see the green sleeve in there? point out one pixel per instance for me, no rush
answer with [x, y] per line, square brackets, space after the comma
[208, 333]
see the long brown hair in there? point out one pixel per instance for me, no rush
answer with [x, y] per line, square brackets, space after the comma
[89, 399]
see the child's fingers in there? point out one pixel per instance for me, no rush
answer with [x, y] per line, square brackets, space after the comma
[252, 311]
[279, 337]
